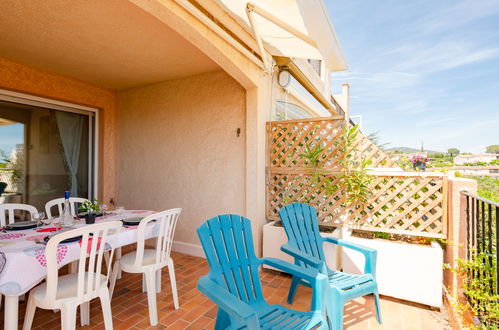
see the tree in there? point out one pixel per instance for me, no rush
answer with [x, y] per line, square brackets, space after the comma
[492, 149]
[453, 151]
[374, 138]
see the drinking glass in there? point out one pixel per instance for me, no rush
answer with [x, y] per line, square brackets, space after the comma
[104, 208]
[38, 217]
[47, 221]
[120, 209]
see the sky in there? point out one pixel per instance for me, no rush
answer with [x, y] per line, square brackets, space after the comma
[10, 135]
[422, 70]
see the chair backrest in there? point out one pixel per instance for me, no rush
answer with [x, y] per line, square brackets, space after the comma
[302, 228]
[59, 202]
[227, 241]
[10, 208]
[95, 240]
[163, 230]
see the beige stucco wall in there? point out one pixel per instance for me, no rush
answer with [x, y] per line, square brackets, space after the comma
[457, 228]
[178, 147]
[25, 79]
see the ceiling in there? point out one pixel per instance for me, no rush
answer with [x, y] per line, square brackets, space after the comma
[110, 43]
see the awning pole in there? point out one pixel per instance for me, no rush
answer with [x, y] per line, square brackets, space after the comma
[256, 32]
[218, 30]
[251, 7]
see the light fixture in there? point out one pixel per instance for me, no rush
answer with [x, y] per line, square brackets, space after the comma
[284, 78]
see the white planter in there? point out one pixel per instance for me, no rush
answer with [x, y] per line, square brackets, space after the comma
[405, 271]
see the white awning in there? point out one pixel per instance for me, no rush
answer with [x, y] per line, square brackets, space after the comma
[308, 17]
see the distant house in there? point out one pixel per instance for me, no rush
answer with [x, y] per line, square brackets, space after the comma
[486, 158]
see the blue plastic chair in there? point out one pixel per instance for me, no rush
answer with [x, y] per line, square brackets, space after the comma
[305, 245]
[233, 282]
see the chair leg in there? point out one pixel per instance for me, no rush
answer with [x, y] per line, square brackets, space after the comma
[144, 285]
[68, 317]
[151, 296]
[222, 321]
[106, 310]
[30, 313]
[378, 307]
[158, 281]
[85, 313]
[114, 275]
[335, 306]
[292, 289]
[173, 282]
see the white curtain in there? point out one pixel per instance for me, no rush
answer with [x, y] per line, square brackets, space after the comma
[70, 127]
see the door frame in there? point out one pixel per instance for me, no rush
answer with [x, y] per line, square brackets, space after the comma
[93, 136]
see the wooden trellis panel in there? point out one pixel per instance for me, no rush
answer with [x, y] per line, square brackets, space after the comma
[411, 205]
[288, 139]
[414, 205]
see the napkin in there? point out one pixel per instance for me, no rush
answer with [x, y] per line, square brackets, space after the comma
[46, 230]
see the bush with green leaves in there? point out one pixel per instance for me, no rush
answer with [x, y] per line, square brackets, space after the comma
[90, 206]
[479, 285]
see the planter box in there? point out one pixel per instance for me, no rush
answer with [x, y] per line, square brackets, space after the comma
[405, 271]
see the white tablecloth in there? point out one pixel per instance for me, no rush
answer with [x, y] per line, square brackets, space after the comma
[22, 260]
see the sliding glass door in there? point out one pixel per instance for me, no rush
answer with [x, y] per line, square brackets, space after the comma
[44, 152]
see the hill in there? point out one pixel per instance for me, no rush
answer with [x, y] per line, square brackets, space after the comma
[408, 150]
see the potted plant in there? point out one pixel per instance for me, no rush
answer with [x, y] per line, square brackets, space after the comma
[90, 210]
[419, 162]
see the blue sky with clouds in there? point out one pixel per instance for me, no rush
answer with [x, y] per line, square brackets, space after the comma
[422, 70]
[10, 135]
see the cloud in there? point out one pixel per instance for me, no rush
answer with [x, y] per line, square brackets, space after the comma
[459, 14]
[423, 70]
[427, 58]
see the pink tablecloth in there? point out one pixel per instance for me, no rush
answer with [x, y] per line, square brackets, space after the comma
[22, 260]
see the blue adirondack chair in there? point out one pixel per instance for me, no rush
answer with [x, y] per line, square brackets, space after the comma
[233, 282]
[305, 245]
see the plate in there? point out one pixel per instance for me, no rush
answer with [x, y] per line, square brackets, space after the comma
[21, 225]
[82, 214]
[132, 221]
[67, 240]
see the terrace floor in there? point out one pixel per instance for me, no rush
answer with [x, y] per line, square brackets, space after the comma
[129, 305]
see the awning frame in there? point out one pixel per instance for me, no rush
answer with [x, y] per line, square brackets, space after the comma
[251, 10]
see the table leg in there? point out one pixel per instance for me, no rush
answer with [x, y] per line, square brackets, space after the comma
[118, 257]
[11, 312]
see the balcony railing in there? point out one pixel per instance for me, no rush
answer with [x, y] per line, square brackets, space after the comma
[482, 223]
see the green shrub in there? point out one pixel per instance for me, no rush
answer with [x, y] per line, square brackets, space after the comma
[479, 277]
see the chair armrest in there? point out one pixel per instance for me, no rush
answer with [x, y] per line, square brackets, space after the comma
[305, 273]
[236, 308]
[286, 248]
[369, 253]
[318, 281]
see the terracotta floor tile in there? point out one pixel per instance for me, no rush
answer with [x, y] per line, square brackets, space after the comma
[129, 305]
[178, 325]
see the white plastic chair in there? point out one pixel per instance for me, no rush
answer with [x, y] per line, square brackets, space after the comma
[10, 208]
[151, 261]
[59, 202]
[67, 292]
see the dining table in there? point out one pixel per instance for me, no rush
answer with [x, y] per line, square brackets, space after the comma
[23, 263]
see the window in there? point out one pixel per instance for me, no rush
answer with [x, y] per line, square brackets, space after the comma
[316, 65]
[44, 152]
[288, 110]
